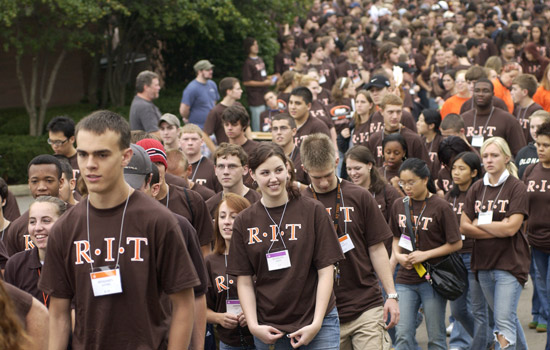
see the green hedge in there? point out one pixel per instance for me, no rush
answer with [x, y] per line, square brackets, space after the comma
[17, 151]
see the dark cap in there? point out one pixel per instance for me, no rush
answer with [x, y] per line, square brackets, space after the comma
[378, 81]
[139, 167]
[407, 68]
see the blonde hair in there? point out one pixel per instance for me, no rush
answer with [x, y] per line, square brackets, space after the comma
[191, 129]
[542, 114]
[502, 145]
[317, 152]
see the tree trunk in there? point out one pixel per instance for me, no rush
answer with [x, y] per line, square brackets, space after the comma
[47, 94]
[29, 102]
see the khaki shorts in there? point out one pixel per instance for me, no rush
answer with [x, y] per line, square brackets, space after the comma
[367, 332]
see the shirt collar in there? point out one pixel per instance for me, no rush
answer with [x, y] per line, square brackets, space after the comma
[503, 178]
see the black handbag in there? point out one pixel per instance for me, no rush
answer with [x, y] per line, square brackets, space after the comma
[449, 277]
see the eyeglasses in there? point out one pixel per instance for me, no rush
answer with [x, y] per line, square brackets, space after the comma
[57, 142]
[410, 183]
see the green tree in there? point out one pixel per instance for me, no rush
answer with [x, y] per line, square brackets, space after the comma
[45, 30]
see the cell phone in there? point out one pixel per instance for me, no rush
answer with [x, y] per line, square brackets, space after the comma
[274, 78]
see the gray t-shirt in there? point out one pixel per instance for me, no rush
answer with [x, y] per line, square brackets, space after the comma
[144, 115]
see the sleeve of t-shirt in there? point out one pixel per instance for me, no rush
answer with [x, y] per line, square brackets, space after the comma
[54, 278]
[515, 138]
[202, 220]
[450, 223]
[377, 230]
[327, 248]
[211, 294]
[469, 203]
[195, 254]
[394, 218]
[174, 266]
[420, 151]
[247, 72]
[10, 272]
[188, 96]
[341, 71]
[408, 121]
[210, 123]
[148, 119]
[238, 262]
[519, 201]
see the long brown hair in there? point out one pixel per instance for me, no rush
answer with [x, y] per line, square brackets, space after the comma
[356, 116]
[362, 154]
[238, 204]
[12, 334]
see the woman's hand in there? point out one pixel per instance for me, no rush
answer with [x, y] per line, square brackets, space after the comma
[242, 320]
[267, 334]
[403, 260]
[418, 256]
[303, 336]
[345, 133]
[228, 321]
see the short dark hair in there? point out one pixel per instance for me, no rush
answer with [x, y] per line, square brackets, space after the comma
[475, 73]
[472, 160]
[311, 48]
[420, 169]
[432, 116]
[426, 41]
[236, 114]
[452, 121]
[472, 42]
[544, 129]
[46, 159]
[302, 92]
[396, 137]
[227, 84]
[485, 80]
[450, 147]
[66, 167]
[350, 45]
[287, 117]
[145, 78]
[296, 53]
[460, 51]
[3, 190]
[100, 121]
[63, 124]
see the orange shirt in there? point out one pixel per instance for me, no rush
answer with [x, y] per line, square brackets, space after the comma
[452, 105]
[504, 94]
[542, 97]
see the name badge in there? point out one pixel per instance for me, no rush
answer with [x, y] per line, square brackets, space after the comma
[278, 260]
[477, 140]
[346, 243]
[356, 80]
[233, 306]
[405, 242]
[462, 237]
[485, 218]
[360, 48]
[322, 79]
[106, 282]
[263, 73]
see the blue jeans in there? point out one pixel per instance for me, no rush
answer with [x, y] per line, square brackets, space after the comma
[224, 346]
[502, 291]
[255, 112]
[461, 309]
[542, 260]
[539, 302]
[483, 317]
[328, 337]
[410, 298]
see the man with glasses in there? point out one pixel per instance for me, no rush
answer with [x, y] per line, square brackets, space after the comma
[200, 96]
[61, 138]
[231, 161]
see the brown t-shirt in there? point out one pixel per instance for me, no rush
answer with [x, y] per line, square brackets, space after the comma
[500, 123]
[266, 118]
[432, 148]
[376, 121]
[469, 104]
[175, 180]
[282, 62]
[203, 173]
[437, 225]
[509, 253]
[350, 70]
[285, 298]
[11, 209]
[361, 133]
[214, 123]
[327, 75]
[444, 180]
[212, 203]
[311, 126]
[319, 110]
[22, 302]
[205, 192]
[358, 289]
[522, 115]
[415, 146]
[23, 270]
[537, 179]
[324, 97]
[153, 260]
[457, 203]
[17, 238]
[385, 199]
[486, 50]
[249, 146]
[254, 70]
[296, 158]
[388, 173]
[223, 287]
[190, 205]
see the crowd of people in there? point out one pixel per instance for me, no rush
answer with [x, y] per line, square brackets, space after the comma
[390, 137]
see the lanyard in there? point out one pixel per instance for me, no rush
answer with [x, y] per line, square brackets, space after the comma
[121, 228]
[498, 194]
[44, 295]
[291, 157]
[196, 169]
[226, 276]
[278, 227]
[339, 200]
[417, 221]
[486, 123]
[168, 195]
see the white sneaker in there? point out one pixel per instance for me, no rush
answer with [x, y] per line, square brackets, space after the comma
[449, 329]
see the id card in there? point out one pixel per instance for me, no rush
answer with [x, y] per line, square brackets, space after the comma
[278, 260]
[106, 282]
[405, 242]
[322, 79]
[233, 306]
[485, 218]
[263, 73]
[420, 269]
[346, 243]
[477, 140]
[356, 80]
[360, 48]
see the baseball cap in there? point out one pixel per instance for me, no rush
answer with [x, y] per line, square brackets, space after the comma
[378, 81]
[203, 65]
[170, 119]
[139, 167]
[407, 68]
[155, 150]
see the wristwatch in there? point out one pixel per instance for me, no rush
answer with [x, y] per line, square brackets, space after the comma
[393, 296]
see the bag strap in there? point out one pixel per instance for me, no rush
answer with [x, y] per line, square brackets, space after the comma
[189, 204]
[409, 222]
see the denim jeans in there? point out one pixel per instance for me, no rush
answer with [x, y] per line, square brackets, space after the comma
[502, 291]
[539, 302]
[224, 346]
[328, 337]
[410, 298]
[461, 309]
[542, 260]
[255, 112]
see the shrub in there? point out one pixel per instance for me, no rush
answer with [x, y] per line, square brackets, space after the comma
[17, 151]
